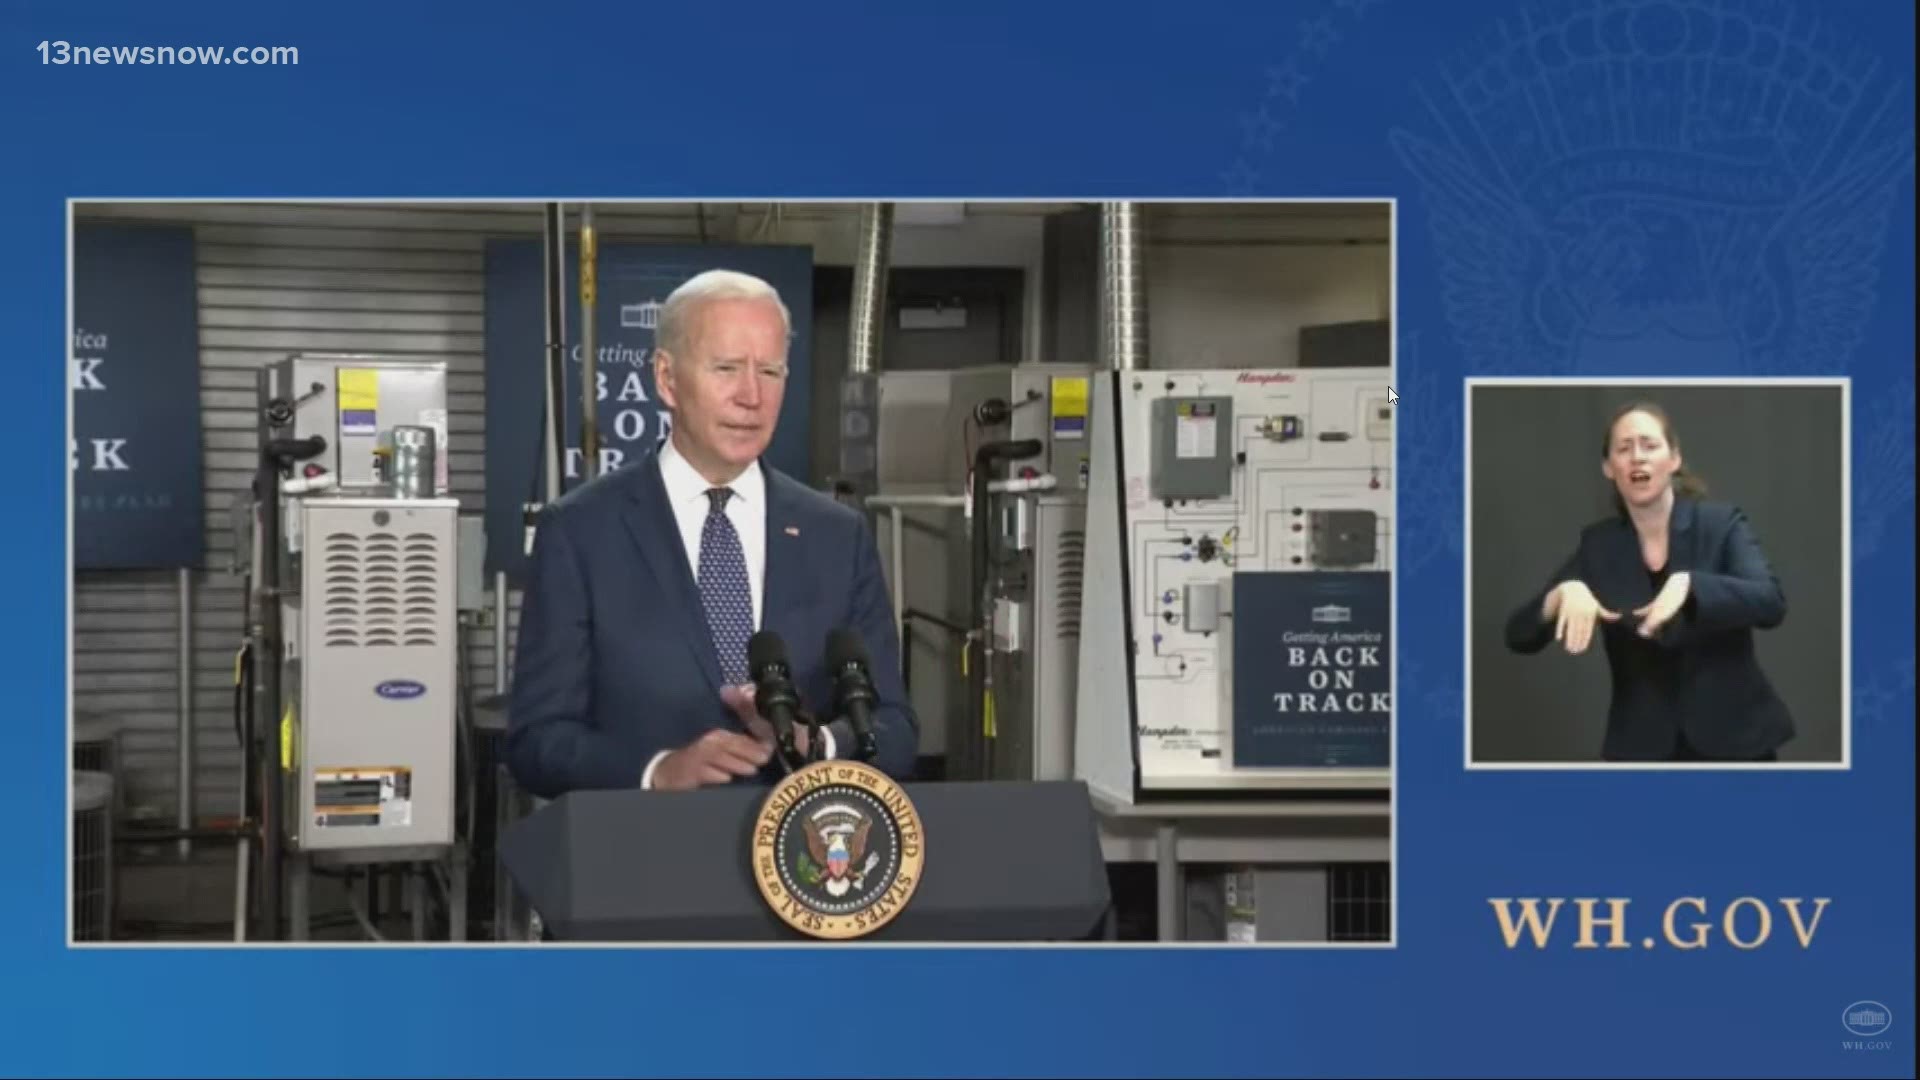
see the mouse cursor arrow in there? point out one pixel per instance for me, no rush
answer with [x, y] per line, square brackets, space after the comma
[1392, 398]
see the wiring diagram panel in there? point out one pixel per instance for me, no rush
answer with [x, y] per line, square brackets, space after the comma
[1231, 479]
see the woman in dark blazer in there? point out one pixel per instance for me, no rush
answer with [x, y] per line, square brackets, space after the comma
[1675, 585]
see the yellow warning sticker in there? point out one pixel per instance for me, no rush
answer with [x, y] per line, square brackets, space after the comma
[359, 389]
[1069, 398]
[1069, 419]
[359, 401]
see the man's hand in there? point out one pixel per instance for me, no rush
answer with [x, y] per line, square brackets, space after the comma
[1661, 610]
[740, 700]
[714, 758]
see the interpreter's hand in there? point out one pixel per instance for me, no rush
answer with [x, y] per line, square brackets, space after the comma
[1655, 614]
[1574, 609]
[740, 700]
[714, 758]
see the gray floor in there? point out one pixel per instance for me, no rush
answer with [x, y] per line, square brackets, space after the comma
[162, 897]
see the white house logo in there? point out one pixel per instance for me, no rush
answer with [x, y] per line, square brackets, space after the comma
[1619, 187]
[642, 316]
[1867, 1018]
[1332, 613]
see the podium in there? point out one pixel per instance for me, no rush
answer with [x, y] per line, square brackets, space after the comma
[1002, 862]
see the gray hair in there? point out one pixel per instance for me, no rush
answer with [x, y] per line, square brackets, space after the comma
[676, 314]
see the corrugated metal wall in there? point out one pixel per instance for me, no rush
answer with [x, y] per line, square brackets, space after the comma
[274, 280]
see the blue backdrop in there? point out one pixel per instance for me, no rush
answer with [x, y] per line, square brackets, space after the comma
[1595, 186]
[135, 378]
[632, 279]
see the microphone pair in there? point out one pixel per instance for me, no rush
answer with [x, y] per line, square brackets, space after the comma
[777, 699]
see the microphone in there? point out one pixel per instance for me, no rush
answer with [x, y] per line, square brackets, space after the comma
[853, 687]
[773, 692]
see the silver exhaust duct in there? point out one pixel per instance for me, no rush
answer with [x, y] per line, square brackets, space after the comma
[868, 324]
[1123, 287]
[859, 473]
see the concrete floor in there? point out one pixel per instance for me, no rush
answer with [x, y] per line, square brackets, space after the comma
[162, 897]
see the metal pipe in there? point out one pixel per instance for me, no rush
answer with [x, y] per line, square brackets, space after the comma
[979, 675]
[183, 757]
[500, 632]
[870, 266]
[924, 502]
[1123, 288]
[1012, 485]
[948, 625]
[897, 523]
[266, 656]
[268, 653]
[556, 290]
[136, 836]
[240, 852]
[589, 359]
[1167, 899]
[417, 901]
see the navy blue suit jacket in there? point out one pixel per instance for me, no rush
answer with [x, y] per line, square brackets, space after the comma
[614, 661]
[1699, 676]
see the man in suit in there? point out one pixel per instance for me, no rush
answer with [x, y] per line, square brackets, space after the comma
[647, 583]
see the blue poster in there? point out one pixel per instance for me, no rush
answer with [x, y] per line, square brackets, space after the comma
[134, 376]
[1312, 669]
[633, 280]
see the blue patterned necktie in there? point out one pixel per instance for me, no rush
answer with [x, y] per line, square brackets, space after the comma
[724, 590]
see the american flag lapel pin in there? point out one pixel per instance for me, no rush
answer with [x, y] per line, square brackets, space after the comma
[792, 530]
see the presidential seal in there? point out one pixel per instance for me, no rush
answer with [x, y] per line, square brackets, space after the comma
[837, 849]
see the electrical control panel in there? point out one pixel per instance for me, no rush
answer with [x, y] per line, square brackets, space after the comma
[1192, 448]
[355, 403]
[1241, 525]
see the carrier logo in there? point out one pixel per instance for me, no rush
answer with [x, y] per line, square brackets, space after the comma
[399, 689]
[1264, 378]
[1866, 1018]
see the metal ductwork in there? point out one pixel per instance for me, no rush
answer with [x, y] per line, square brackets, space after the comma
[859, 472]
[1123, 287]
[868, 325]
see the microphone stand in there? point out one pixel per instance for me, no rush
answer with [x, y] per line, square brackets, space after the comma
[816, 741]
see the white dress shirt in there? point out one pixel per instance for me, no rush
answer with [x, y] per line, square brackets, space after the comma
[746, 509]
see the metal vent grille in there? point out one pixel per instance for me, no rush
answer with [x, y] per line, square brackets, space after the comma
[93, 869]
[1072, 556]
[1359, 902]
[380, 589]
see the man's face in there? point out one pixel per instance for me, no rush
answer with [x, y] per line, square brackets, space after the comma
[725, 392]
